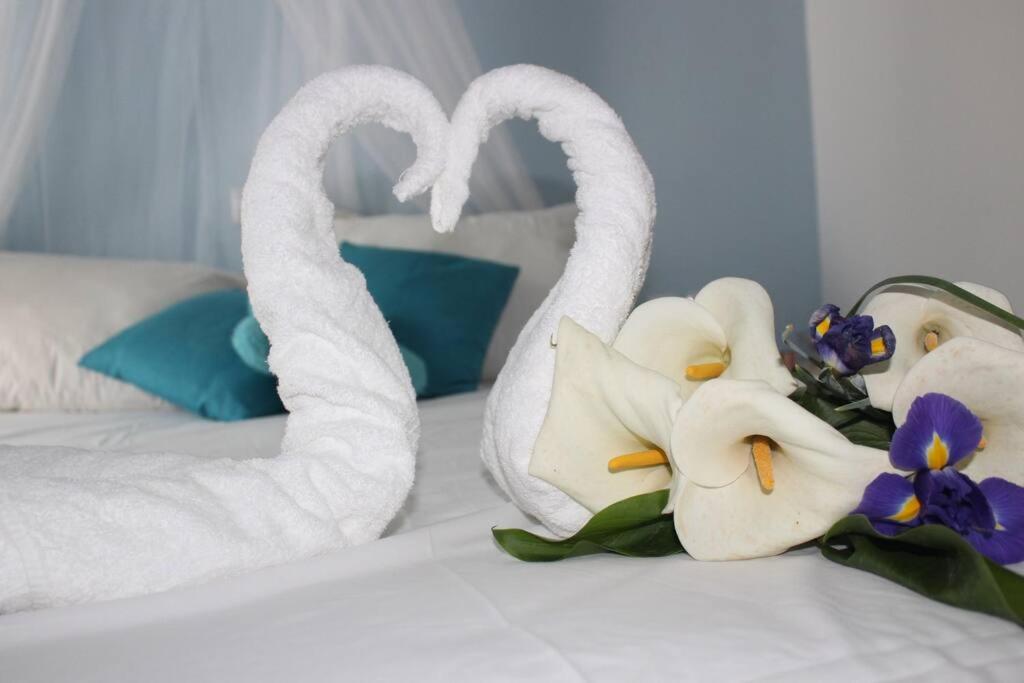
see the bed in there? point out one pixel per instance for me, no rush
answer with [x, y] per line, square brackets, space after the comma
[435, 599]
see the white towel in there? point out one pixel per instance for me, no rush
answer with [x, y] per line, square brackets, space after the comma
[606, 266]
[77, 525]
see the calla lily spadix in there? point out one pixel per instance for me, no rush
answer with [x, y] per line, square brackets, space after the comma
[751, 472]
[721, 506]
[922, 320]
[987, 378]
[727, 330]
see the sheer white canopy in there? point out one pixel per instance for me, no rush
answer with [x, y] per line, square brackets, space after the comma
[35, 39]
[426, 40]
[163, 101]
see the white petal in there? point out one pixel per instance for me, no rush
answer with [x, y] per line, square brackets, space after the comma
[744, 310]
[602, 405]
[741, 521]
[711, 438]
[903, 311]
[668, 335]
[1003, 458]
[988, 379]
[911, 311]
[819, 475]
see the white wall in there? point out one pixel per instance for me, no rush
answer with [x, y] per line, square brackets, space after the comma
[918, 116]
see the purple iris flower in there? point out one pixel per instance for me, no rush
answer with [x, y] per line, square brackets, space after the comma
[940, 432]
[950, 498]
[848, 344]
[890, 504]
[822, 319]
[1006, 544]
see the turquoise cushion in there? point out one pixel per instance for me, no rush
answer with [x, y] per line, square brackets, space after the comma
[252, 346]
[442, 307]
[184, 355]
[417, 369]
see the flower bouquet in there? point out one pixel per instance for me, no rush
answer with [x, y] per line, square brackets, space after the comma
[891, 437]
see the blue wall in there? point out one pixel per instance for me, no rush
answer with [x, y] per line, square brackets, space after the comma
[715, 93]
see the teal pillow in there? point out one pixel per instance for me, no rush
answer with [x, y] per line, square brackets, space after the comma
[417, 369]
[183, 354]
[441, 306]
[252, 346]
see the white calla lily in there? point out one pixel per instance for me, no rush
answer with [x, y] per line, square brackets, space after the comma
[922, 320]
[727, 330]
[751, 472]
[988, 379]
[602, 406]
[722, 508]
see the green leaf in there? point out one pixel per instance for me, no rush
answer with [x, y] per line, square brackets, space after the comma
[863, 427]
[865, 432]
[810, 381]
[946, 286]
[635, 527]
[823, 408]
[854, 405]
[932, 560]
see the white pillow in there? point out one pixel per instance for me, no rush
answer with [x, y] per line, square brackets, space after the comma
[536, 241]
[53, 309]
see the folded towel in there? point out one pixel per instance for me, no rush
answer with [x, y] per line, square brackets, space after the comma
[604, 272]
[78, 525]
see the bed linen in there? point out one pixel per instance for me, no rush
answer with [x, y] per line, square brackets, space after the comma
[450, 480]
[436, 599]
[57, 307]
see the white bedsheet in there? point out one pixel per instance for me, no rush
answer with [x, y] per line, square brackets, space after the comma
[450, 480]
[436, 600]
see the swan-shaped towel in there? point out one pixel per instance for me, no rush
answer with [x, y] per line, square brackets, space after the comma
[602, 277]
[81, 525]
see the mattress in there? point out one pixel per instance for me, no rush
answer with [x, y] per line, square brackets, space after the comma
[437, 600]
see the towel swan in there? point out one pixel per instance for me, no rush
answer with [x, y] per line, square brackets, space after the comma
[603, 274]
[81, 525]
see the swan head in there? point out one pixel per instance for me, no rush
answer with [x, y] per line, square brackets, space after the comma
[446, 201]
[423, 119]
[567, 112]
[328, 107]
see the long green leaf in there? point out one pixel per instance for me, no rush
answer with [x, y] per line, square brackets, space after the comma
[946, 286]
[635, 527]
[932, 560]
